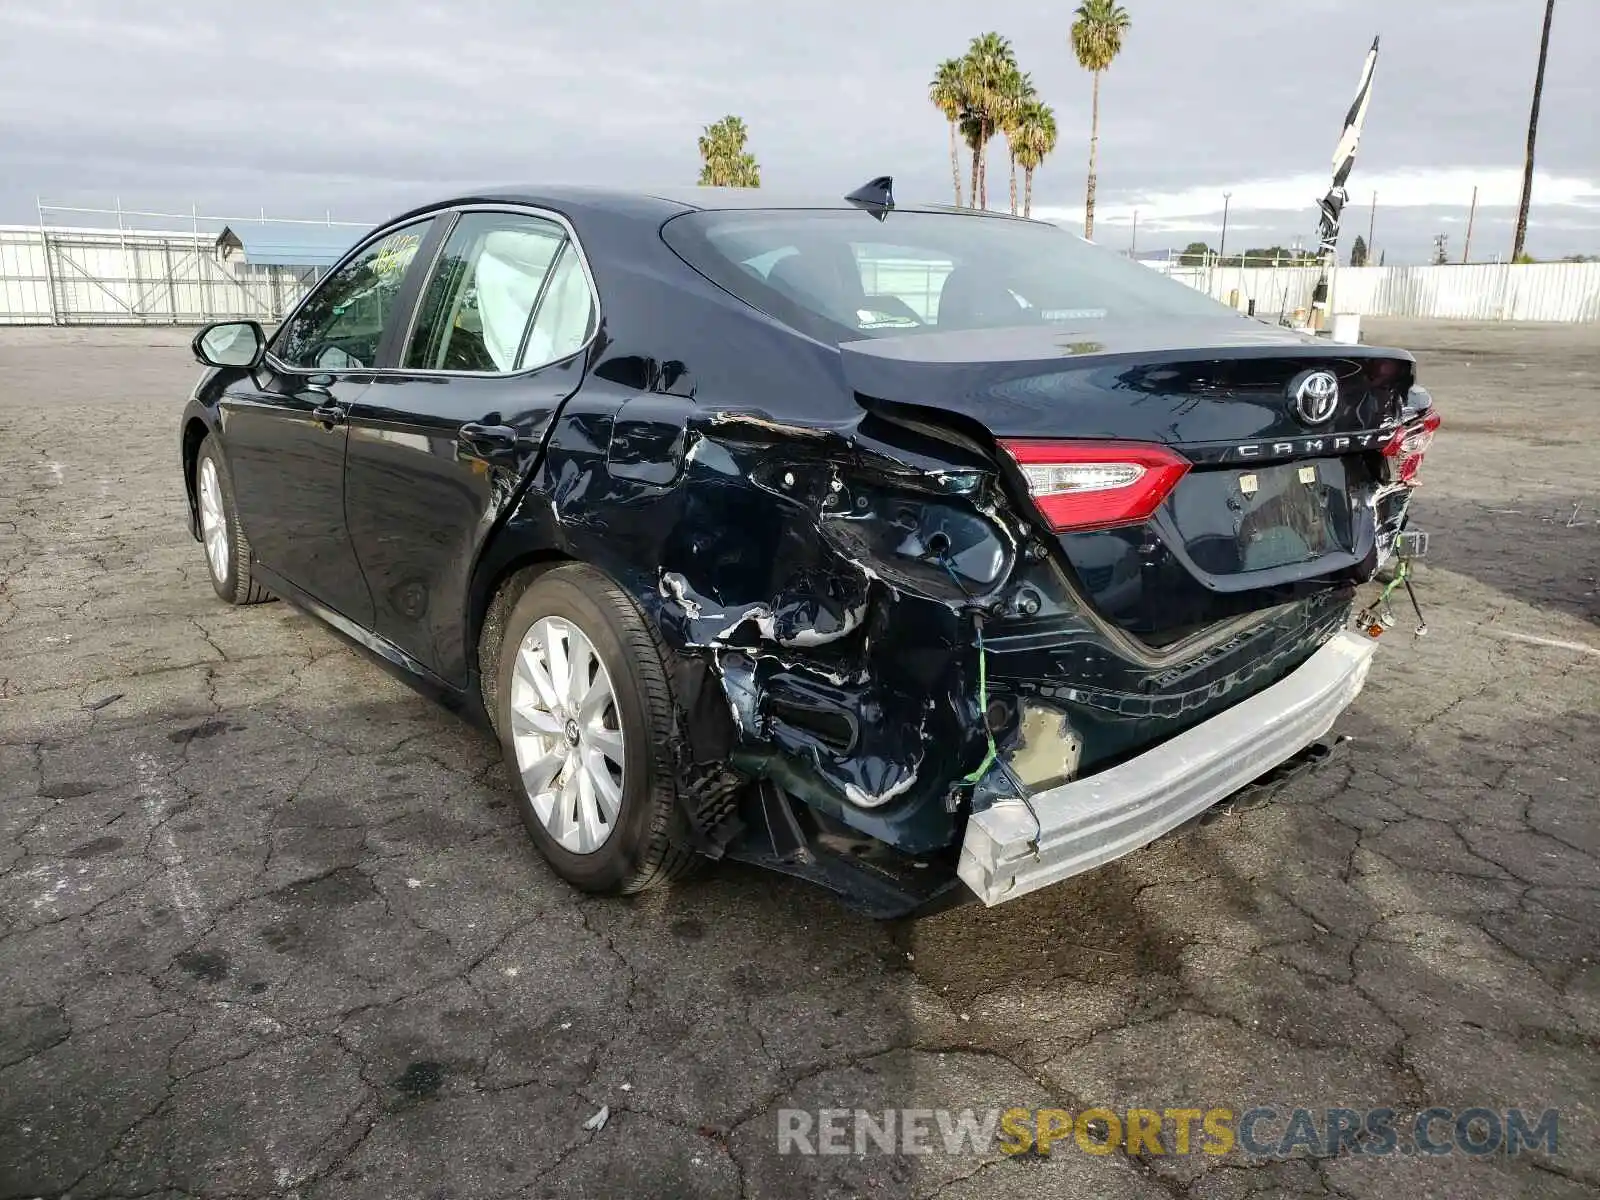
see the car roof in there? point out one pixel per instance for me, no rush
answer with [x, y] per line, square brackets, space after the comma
[668, 201]
[718, 198]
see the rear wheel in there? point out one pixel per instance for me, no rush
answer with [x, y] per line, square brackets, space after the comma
[585, 717]
[227, 550]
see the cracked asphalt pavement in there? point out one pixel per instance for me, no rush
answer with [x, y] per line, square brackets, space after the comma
[269, 924]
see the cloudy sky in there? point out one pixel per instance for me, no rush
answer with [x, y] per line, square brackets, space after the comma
[365, 106]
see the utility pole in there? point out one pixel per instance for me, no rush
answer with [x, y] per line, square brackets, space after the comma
[1372, 221]
[1471, 214]
[1223, 245]
[1133, 243]
[1533, 132]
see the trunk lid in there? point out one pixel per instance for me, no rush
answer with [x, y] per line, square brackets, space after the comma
[1275, 505]
[1177, 382]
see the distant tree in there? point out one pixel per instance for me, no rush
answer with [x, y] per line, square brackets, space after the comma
[947, 92]
[1015, 95]
[983, 93]
[1097, 40]
[989, 74]
[1269, 256]
[1035, 140]
[1195, 254]
[724, 161]
[1358, 252]
[1521, 234]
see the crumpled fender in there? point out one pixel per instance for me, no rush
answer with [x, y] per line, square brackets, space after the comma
[822, 593]
[815, 590]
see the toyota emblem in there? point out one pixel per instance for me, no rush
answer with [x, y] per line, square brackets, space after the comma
[1316, 396]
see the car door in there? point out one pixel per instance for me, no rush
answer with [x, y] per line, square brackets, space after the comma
[440, 442]
[284, 426]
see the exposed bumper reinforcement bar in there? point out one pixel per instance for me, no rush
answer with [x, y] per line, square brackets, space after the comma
[1015, 847]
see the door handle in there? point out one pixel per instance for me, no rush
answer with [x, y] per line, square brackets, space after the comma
[488, 438]
[330, 413]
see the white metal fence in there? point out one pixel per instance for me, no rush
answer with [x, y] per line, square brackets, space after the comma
[85, 275]
[1474, 292]
[90, 277]
[79, 275]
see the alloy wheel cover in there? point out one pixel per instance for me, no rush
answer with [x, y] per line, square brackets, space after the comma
[566, 731]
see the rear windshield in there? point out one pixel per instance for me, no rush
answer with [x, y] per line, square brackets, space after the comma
[841, 274]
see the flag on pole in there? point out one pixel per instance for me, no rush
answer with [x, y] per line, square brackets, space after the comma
[1344, 158]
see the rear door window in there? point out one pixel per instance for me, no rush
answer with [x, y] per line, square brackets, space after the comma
[341, 324]
[477, 309]
[566, 313]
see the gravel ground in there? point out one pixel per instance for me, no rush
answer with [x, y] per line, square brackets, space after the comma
[268, 924]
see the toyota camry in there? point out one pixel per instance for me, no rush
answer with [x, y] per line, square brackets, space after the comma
[913, 551]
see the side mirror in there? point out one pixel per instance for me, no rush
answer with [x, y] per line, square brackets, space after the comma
[230, 344]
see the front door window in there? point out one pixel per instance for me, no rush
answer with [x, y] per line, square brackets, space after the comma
[341, 325]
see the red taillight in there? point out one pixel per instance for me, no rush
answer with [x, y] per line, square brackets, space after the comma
[1094, 485]
[1409, 445]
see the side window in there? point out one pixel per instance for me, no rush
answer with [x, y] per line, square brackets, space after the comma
[474, 312]
[340, 325]
[566, 314]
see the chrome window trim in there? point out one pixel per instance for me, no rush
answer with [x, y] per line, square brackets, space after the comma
[453, 212]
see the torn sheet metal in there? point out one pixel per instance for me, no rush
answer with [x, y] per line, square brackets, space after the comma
[817, 591]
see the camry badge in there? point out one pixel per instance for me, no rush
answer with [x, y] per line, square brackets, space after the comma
[1316, 396]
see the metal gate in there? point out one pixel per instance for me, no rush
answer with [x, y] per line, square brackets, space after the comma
[53, 274]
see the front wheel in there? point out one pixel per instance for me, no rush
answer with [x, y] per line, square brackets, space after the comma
[586, 719]
[227, 551]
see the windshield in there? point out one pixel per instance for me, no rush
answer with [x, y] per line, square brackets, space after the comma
[838, 273]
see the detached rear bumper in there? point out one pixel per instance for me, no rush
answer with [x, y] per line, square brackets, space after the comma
[1016, 846]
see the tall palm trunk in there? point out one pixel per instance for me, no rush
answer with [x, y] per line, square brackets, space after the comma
[1533, 132]
[977, 162]
[1094, 149]
[988, 136]
[1013, 151]
[955, 164]
[983, 167]
[1027, 191]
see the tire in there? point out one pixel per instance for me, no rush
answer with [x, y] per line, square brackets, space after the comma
[642, 842]
[226, 548]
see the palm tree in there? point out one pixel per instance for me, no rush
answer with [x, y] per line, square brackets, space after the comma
[989, 64]
[1521, 235]
[724, 162]
[1035, 139]
[1096, 40]
[1016, 93]
[948, 93]
[972, 136]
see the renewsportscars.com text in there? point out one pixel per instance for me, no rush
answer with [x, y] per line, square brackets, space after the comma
[1263, 1131]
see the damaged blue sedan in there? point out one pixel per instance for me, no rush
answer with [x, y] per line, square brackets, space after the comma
[917, 552]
